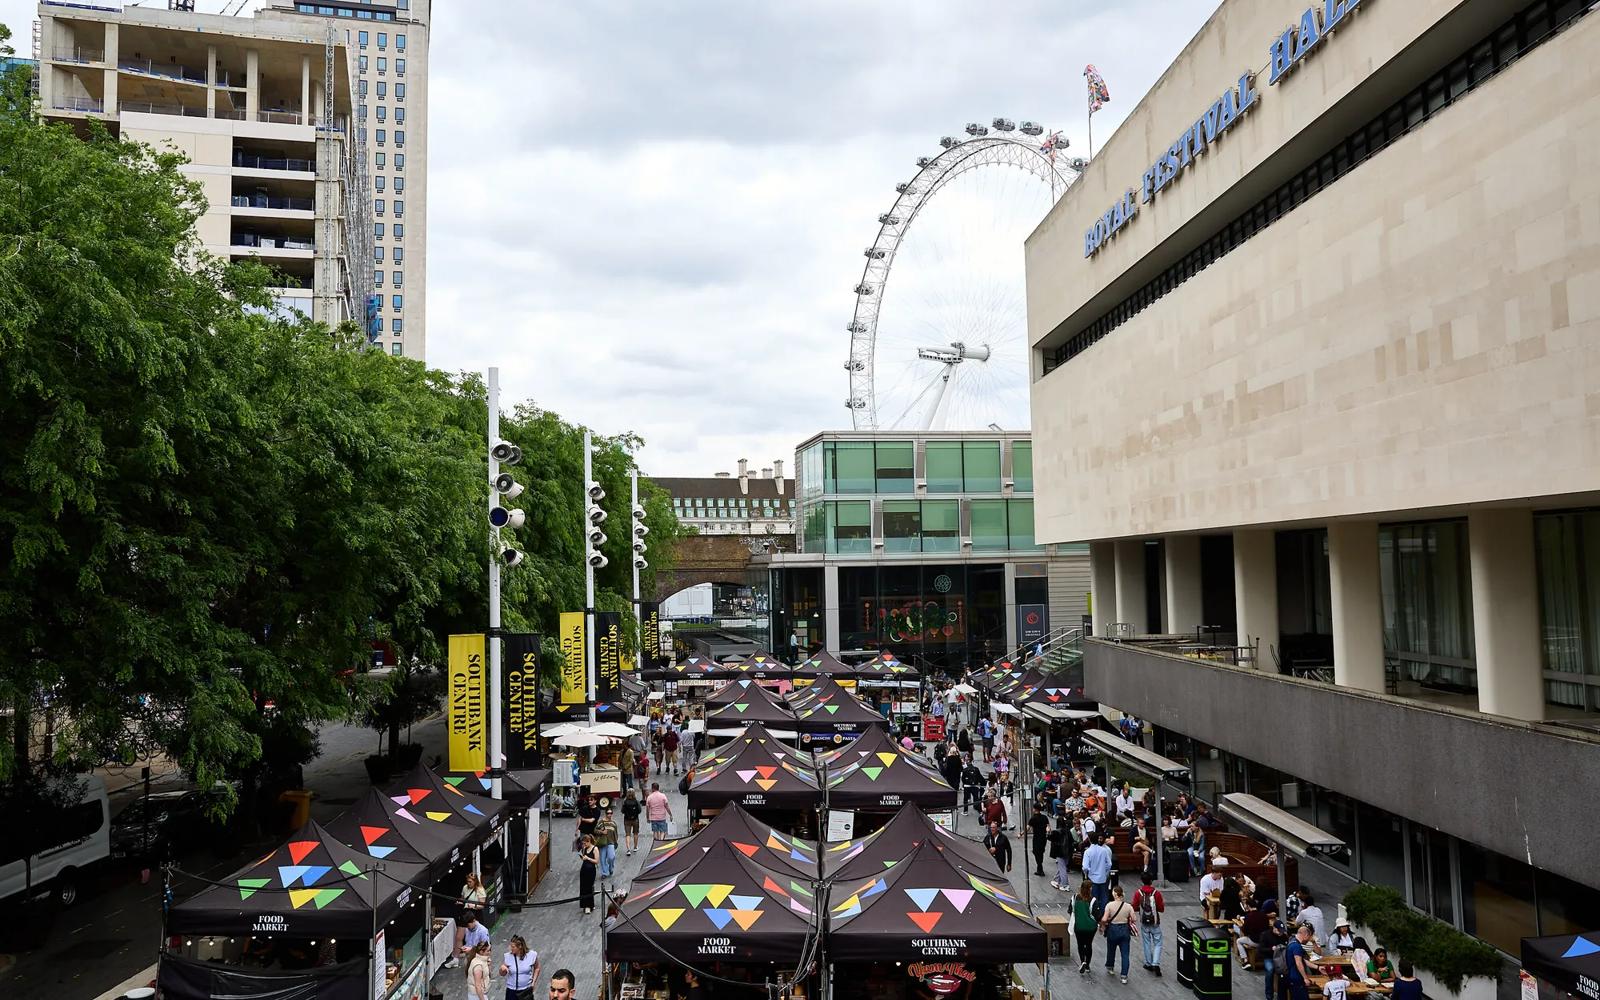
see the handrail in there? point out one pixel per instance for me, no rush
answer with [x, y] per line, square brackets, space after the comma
[167, 71]
[145, 107]
[78, 104]
[272, 163]
[1070, 634]
[77, 54]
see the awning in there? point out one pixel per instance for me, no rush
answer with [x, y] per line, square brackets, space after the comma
[1135, 756]
[1004, 709]
[1050, 713]
[1570, 963]
[1277, 826]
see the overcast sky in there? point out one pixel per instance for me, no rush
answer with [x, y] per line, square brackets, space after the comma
[651, 215]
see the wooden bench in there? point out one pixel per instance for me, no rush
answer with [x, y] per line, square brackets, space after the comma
[1244, 853]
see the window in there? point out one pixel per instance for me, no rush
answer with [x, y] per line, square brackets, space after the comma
[399, 116]
[902, 526]
[396, 349]
[362, 38]
[361, 134]
[895, 462]
[400, 280]
[399, 254]
[395, 325]
[988, 525]
[1019, 516]
[399, 206]
[377, 230]
[378, 158]
[383, 65]
[377, 279]
[399, 137]
[399, 161]
[383, 39]
[1427, 606]
[981, 461]
[377, 206]
[943, 465]
[399, 91]
[383, 136]
[361, 88]
[1022, 466]
[377, 255]
[849, 466]
[400, 43]
[378, 182]
[941, 525]
[399, 231]
[1497, 902]
[1567, 548]
[399, 67]
[399, 184]
[362, 62]
[361, 112]
[397, 302]
[850, 526]
[382, 111]
[383, 89]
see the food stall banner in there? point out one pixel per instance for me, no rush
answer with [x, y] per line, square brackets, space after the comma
[520, 697]
[883, 848]
[312, 885]
[876, 774]
[468, 696]
[724, 907]
[929, 907]
[574, 659]
[757, 772]
[754, 839]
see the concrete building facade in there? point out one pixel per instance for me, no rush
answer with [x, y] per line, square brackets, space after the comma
[1316, 347]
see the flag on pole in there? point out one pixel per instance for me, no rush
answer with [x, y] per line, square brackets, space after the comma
[1051, 143]
[1099, 96]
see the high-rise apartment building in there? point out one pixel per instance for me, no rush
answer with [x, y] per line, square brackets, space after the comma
[263, 112]
[388, 41]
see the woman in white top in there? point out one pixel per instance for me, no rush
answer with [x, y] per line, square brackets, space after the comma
[520, 968]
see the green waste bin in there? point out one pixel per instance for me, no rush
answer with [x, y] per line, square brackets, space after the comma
[1213, 963]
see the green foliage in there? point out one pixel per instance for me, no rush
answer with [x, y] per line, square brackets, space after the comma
[1447, 954]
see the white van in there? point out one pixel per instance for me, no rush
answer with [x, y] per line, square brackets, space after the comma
[83, 840]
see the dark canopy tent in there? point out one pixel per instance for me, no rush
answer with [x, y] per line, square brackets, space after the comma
[1020, 685]
[693, 668]
[876, 774]
[882, 849]
[519, 788]
[757, 706]
[727, 694]
[1063, 689]
[1563, 960]
[385, 831]
[886, 667]
[422, 791]
[929, 906]
[759, 666]
[723, 907]
[310, 886]
[758, 772]
[825, 664]
[827, 713]
[754, 839]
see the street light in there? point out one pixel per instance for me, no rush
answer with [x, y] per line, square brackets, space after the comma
[639, 563]
[502, 485]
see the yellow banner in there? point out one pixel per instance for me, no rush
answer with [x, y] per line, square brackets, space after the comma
[574, 665]
[469, 696]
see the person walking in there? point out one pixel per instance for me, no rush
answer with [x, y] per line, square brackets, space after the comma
[630, 821]
[972, 785]
[1147, 899]
[605, 838]
[658, 811]
[588, 816]
[1061, 850]
[562, 984]
[669, 744]
[1097, 862]
[1039, 826]
[478, 973]
[964, 742]
[1118, 923]
[588, 866]
[986, 737]
[1296, 965]
[520, 969]
[1085, 923]
[999, 847]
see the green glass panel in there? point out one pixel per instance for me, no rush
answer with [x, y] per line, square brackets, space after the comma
[982, 461]
[944, 466]
[989, 525]
[850, 526]
[1022, 466]
[895, 466]
[852, 467]
[941, 525]
[902, 526]
[1021, 520]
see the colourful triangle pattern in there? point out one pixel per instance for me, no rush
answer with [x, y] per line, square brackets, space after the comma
[248, 886]
[326, 896]
[959, 898]
[719, 917]
[437, 817]
[298, 849]
[926, 921]
[371, 833]
[747, 902]
[300, 897]
[923, 898]
[666, 916]
[745, 918]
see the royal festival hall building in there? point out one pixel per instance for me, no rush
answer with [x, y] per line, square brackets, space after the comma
[1316, 376]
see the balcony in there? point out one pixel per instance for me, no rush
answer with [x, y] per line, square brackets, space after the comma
[272, 245]
[249, 161]
[262, 201]
[1508, 785]
[151, 108]
[167, 71]
[79, 55]
[89, 104]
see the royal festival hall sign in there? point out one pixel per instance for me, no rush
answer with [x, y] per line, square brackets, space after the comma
[1286, 52]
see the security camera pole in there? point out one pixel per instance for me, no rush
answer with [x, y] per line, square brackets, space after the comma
[588, 577]
[495, 750]
[638, 564]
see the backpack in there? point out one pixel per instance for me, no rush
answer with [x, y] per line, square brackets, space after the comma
[683, 785]
[1147, 908]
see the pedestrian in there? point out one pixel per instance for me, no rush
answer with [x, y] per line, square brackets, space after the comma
[964, 742]
[1147, 899]
[630, 821]
[1299, 973]
[588, 866]
[641, 770]
[472, 900]
[669, 745]
[478, 973]
[468, 937]
[520, 969]
[562, 983]
[999, 847]
[1407, 986]
[1118, 923]
[658, 811]
[1085, 922]
[472, 895]
[1061, 850]
[986, 736]
[972, 784]
[625, 765]
[1002, 775]
[1039, 826]
[1097, 862]
[588, 816]
[605, 838]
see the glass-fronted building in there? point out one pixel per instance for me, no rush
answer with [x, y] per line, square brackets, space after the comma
[922, 543]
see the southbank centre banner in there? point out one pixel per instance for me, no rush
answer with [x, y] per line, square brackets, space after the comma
[574, 666]
[607, 656]
[650, 633]
[468, 694]
[519, 678]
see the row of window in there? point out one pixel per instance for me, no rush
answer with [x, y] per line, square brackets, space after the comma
[382, 89]
[399, 278]
[399, 206]
[399, 230]
[328, 10]
[889, 467]
[379, 182]
[730, 503]
[399, 255]
[1533, 25]
[383, 40]
[378, 160]
[383, 67]
[844, 527]
[382, 135]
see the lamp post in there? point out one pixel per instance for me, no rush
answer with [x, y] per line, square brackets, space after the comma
[639, 563]
[502, 488]
[593, 560]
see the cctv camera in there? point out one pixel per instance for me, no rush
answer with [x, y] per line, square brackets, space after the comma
[504, 483]
[639, 562]
[596, 493]
[638, 512]
[641, 530]
[506, 453]
[597, 537]
[597, 515]
[500, 517]
[511, 556]
[639, 547]
[597, 560]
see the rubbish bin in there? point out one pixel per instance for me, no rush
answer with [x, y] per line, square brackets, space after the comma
[1176, 860]
[1213, 963]
[1186, 929]
[300, 801]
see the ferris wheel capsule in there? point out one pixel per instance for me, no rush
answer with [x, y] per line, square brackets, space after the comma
[1031, 128]
[948, 141]
[975, 129]
[1004, 125]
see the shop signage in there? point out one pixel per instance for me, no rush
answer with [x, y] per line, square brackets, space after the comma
[574, 659]
[469, 748]
[650, 633]
[890, 799]
[940, 947]
[932, 728]
[1033, 621]
[1285, 53]
[269, 923]
[520, 682]
[715, 946]
[942, 979]
[607, 656]
[755, 800]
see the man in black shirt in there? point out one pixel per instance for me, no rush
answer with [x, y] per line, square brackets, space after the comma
[999, 847]
[972, 782]
[1039, 824]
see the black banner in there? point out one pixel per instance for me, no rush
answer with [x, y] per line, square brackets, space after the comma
[607, 656]
[650, 634]
[519, 681]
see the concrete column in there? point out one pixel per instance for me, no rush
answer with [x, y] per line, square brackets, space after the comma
[48, 44]
[830, 608]
[1182, 592]
[1010, 572]
[305, 88]
[1357, 599]
[1505, 613]
[1255, 592]
[1131, 603]
[112, 54]
[211, 81]
[317, 98]
[252, 85]
[1103, 585]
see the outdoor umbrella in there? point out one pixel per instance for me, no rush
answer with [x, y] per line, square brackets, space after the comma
[883, 848]
[613, 729]
[757, 772]
[312, 885]
[754, 839]
[582, 739]
[876, 774]
[1562, 959]
[724, 907]
[384, 831]
[929, 906]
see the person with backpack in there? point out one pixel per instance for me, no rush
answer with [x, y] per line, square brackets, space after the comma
[686, 781]
[1147, 899]
[1085, 921]
[630, 820]
[1061, 851]
[1117, 919]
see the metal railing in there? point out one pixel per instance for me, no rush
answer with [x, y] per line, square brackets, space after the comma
[265, 201]
[78, 104]
[1066, 638]
[168, 71]
[78, 54]
[271, 242]
[145, 107]
[272, 163]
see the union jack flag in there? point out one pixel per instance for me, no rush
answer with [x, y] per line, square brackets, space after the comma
[1099, 96]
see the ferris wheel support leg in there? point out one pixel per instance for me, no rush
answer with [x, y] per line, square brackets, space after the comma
[932, 419]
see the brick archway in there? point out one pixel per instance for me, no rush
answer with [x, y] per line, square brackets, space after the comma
[704, 559]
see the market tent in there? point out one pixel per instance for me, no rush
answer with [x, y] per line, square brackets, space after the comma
[882, 849]
[689, 669]
[385, 831]
[754, 839]
[758, 772]
[928, 906]
[730, 692]
[825, 709]
[1055, 689]
[421, 790]
[723, 907]
[310, 886]
[758, 705]
[761, 665]
[1014, 688]
[825, 664]
[886, 667]
[874, 773]
[1562, 959]
[520, 788]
